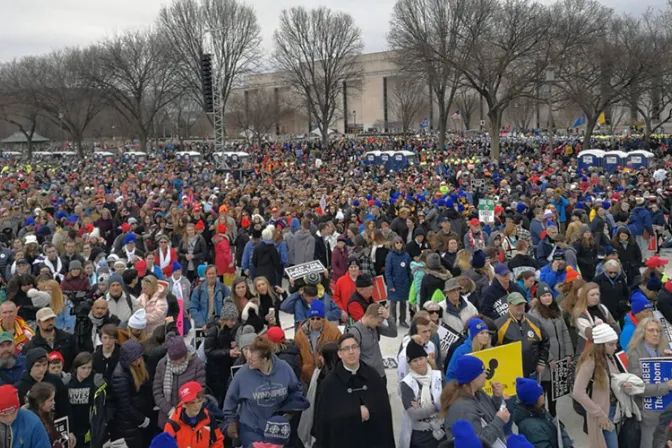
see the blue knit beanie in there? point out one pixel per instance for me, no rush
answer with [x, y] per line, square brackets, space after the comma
[476, 325]
[478, 259]
[464, 435]
[130, 237]
[468, 369]
[528, 391]
[654, 283]
[520, 208]
[163, 440]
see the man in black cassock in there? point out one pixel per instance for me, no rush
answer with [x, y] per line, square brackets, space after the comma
[352, 409]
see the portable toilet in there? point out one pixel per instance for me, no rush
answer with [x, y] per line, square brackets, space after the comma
[101, 156]
[613, 159]
[590, 158]
[639, 159]
[386, 159]
[371, 157]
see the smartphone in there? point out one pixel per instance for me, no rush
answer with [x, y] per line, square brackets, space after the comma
[383, 303]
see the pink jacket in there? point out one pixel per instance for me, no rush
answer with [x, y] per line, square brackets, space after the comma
[156, 308]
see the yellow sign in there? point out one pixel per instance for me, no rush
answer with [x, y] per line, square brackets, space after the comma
[502, 365]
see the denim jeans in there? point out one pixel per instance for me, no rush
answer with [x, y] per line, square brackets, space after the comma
[611, 437]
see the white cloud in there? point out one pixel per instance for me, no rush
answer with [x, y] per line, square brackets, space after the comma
[38, 26]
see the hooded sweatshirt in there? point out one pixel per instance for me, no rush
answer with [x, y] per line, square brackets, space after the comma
[253, 397]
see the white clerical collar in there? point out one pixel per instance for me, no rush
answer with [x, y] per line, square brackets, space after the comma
[353, 371]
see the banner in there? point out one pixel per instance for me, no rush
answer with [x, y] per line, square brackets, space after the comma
[180, 317]
[562, 378]
[62, 426]
[656, 371]
[300, 270]
[379, 289]
[503, 364]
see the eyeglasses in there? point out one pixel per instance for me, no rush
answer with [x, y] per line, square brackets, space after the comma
[653, 330]
[349, 348]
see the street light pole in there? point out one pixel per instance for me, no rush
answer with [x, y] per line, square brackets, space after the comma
[354, 118]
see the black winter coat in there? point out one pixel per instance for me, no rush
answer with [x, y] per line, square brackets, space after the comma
[289, 352]
[630, 257]
[493, 300]
[266, 260]
[432, 281]
[322, 252]
[586, 258]
[218, 367]
[84, 331]
[133, 406]
[64, 342]
[200, 253]
[614, 295]
[26, 382]
[664, 304]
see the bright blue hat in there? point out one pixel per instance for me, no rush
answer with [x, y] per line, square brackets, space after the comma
[317, 309]
[468, 369]
[528, 391]
[130, 238]
[476, 325]
[176, 266]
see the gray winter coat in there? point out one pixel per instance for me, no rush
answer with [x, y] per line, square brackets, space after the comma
[195, 372]
[558, 336]
[302, 246]
[476, 410]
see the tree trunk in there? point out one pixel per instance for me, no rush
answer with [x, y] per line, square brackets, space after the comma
[590, 126]
[29, 147]
[142, 138]
[647, 128]
[325, 136]
[467, 121]
[442, 124]
[495, 123]
[77, 143]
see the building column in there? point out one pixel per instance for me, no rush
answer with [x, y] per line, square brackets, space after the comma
[345, 107]
[385, 117]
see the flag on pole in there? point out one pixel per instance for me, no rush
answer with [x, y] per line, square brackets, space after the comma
[456, 115]
[600, 119]
[580, 121]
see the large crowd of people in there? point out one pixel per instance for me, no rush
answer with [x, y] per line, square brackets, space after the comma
[141, 300]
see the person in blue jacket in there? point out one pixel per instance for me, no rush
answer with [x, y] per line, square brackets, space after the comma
[641, 308]
[554, 273]
[200, 298]
[246, 264]
[640, 222]
[561, 203]
[298, 304]
[479, 339]
[398, 279]
[264, 387]
[27, 429]
[12, 365]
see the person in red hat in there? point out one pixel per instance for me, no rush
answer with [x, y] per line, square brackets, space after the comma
[190, 424]
[474, 239]
[285, 349]
[20, 425]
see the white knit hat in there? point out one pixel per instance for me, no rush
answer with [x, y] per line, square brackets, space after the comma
[138, 320]
[603, 333]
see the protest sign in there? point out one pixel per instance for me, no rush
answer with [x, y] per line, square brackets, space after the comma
[379, 289]
[667, 328]
[562, 378]
[199, 337]
[486, 211]
[300, 270]
[622, 359]
[390, 363]
[62, 426]
[656, 371]
[503, 364]
[447, 337]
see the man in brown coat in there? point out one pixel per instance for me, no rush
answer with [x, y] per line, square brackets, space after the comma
[311, 334]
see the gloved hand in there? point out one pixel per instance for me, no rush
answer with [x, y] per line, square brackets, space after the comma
[145, 423]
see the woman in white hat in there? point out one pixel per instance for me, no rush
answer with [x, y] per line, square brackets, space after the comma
[592, 388]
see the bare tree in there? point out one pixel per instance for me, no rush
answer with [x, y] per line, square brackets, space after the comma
[408, 101]
[597, 74]
[257, 112]
[316, 51]
[521, 112]
[466, 101]
[54, 85]
[229, 27]
[138, 76]
[425, 34]
[13, 108]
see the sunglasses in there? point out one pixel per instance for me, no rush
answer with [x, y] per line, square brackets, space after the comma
[315, 318]
[433, 312]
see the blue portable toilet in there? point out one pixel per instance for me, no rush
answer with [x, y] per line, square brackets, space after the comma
[590, 158]
[372, 158]
[613, 159]
[385, 159]
[639, 159]
[399, 161]
[101, 156]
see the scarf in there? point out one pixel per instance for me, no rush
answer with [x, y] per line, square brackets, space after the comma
[97, 323]
[474, 243]
[425, 382]
[177, 288]
[172, 370]
[55, 271]
[164, 259]
[129, 254]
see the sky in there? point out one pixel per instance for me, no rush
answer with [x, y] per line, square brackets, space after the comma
[30, 27]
